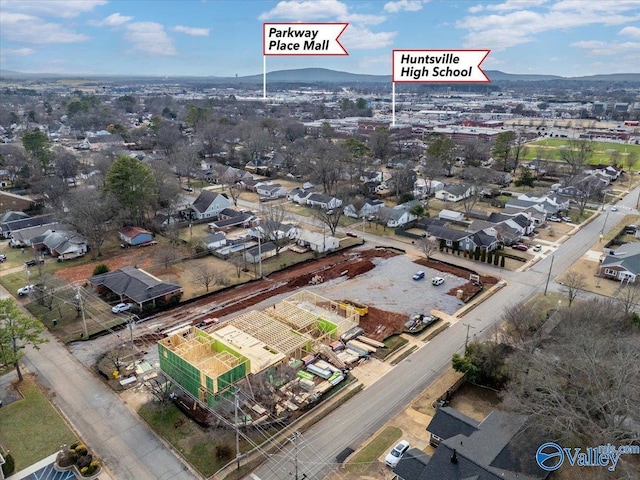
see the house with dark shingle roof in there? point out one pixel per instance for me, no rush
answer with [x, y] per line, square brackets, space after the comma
[135, 285]
[498, 448]
[209, 204]
[411, 465]
[623, 264]
[15, 225]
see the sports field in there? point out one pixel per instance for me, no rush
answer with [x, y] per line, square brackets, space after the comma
[603, 152]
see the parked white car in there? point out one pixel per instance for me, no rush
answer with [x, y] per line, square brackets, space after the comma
[394, 456]
[437, 281]
[26, 290]
[121, 307]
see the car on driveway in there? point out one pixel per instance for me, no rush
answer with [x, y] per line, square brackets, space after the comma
[537, 248]
[553, 218]
[437, 281]
[567, 219]
[351, 234]
[3, 258]
[121, 307]
[26, 290]
[33, 262]
[418, 275]
[520, 246]
[394, 456]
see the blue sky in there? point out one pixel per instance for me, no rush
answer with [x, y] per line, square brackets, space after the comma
[224, 37]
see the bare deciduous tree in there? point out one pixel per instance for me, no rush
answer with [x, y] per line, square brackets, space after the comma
[205, 275]
[629, 296]
[234, 193]
[578, 387]
[330, 218]
[273, 225]
[428, 246]
[574, 282]
[166, 256]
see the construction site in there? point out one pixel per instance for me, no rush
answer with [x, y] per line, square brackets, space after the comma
[284, 358]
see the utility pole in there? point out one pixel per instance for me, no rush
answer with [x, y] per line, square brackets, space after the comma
[548, 276]
[235, 422]
[85, 331]
[294, 439]
[466, 340]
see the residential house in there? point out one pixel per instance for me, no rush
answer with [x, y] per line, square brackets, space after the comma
[264, 251]
[325, 202]
[299, 195]
[130, 284]
[318, 242]
[369, 209]
[271, 190]
[623, 264]
[454, 192]
[6, 229]
[22, 238]
[208, 205]
[229, 217]
[497, 448]
[452, 237]
[395, 217]
[425, 188]
[13, 202]
[61, 244]
[10, 216]
[411, 465]
[215, 240]
[134, 236]
[450, 215]
[549, 205]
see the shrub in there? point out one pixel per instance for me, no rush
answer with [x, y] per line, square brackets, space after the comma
[101, 268]
[9, 465]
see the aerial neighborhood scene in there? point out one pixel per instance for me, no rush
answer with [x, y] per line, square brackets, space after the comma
[319, 239]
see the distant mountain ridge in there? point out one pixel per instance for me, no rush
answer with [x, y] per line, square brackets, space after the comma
[325, 75]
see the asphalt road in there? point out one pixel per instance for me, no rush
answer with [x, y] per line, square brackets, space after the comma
[360, 417]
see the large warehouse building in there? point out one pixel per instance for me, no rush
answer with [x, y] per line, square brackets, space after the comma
[206, 362]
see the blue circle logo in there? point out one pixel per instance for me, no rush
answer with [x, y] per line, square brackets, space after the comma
[550, 456]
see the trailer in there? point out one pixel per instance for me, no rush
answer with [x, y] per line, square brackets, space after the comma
[362, 346]
[371, 341]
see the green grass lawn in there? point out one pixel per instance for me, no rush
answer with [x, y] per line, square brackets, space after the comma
[376, 447]
[551, 148]
[31, 428]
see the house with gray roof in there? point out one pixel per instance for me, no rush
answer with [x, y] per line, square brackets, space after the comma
[61, 244]
[498, 448]
[321, 200]
[6, 229]
[131, 284]
[454, 192]
[208, 205]
[623, 264]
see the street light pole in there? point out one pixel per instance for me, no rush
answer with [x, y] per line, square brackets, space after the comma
[548, 276]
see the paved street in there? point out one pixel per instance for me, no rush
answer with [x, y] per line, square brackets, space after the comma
[357, 420]
[130, 450]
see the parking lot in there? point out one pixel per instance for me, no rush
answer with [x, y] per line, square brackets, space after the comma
[390, 286]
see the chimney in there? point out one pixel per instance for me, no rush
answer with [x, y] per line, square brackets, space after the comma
[454, 457]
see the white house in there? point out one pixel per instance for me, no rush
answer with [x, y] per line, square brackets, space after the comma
[215, 240]
[209, 204]
[271, 190]
[299, 196]
[370, 208]
[426, 188]
[394, 217]
[317, 241]
[326, 202]
[451, 215]
[454, 193]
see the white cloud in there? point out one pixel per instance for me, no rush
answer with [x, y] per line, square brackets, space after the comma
[196, 32]
[54, 8]
[149, 37]
[29, 29]
[503, 30]
[633, 32]
[400, 5]
[475, 9]
[358, 38]
[510, 5]
[113, 20]
[306, 10]
[17, 52]
[604, 49]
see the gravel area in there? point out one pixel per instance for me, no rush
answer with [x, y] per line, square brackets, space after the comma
[390, 287]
